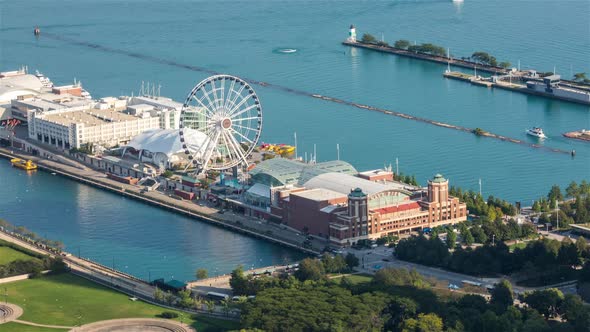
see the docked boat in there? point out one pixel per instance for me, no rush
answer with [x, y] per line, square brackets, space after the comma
[45, 81]
[23, 164]
[537, 132]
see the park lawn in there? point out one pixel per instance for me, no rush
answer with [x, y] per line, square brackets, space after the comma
[60, 299]
[520, 245]
[355, 278]
[9, 255]
[16, 327]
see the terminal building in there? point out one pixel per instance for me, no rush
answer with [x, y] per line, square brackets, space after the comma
[332, 200]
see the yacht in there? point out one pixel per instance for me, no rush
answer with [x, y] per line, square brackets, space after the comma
[536, 131]
[45, 81]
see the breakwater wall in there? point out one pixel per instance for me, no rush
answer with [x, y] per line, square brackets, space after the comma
[157, 202]
[154, 59]
[428, 57]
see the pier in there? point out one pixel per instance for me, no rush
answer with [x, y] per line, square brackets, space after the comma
[172, 63]
[510, 86]
[427, 57]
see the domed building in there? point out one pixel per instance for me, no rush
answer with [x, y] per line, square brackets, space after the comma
[163, 148]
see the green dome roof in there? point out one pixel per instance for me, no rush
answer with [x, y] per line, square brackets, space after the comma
[438, 178]
[358, 192]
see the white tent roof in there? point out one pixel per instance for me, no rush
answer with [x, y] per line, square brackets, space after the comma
[167, 141]
[344, 183]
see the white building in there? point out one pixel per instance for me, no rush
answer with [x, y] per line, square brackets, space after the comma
[76, 126]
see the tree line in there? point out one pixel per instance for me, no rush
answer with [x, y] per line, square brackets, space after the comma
[540, 256]
[34, 266]
[573, 207]
[399, 300]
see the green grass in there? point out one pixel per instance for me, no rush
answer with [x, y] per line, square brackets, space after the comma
[57, 300]
[8, 255]
[520, 245]
[356, 278]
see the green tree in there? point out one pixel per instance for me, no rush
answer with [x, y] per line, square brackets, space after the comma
[505, 64]
[502, 296]
[479, 235]
[201, 274]
[186, 301]
[580, 77]
[467, 237]
[546, 301]
[572, 190]
[310, 269]
[451, 238]
[238, 281]
[368, 39]
[402, 43]
[555, 193]
[351, 260]
[424, 323]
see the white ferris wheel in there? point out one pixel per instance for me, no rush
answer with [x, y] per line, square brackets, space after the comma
[226, 109]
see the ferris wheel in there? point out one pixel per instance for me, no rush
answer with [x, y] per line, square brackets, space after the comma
[226, 109]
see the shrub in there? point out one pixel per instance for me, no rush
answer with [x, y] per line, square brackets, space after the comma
[169, 314]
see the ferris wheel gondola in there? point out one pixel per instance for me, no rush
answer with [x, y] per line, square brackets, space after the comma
[228, 111]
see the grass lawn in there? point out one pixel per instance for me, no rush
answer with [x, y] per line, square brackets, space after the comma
[8, 255]
[59, 299]
[16, 327]
[356, 278]
[520, 245]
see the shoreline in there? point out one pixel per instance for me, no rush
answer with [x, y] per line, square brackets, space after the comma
[161, 203]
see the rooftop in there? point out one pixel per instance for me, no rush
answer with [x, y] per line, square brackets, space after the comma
[282, 171]
[438, 178]
[91, 117]
[344, 183]
[398, 208]
[319, 194]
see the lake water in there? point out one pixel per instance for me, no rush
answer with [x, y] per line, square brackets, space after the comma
[243, 38]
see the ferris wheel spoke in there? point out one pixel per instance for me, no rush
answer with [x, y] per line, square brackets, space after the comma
[244, 119]
[238, 148]
[237, 95]
[230, 147]
[211, 103]
[222, 93]
[214, 92]
[237, 107]
[210, 147]
[242, 136]
[244, 111]
[207, 109]
[228, 97]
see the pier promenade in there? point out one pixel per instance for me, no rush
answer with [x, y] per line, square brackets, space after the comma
[427, 57]
[263, 230]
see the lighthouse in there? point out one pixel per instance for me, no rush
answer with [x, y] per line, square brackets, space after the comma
[352, 34]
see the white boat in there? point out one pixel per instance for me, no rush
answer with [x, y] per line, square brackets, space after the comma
[85, 94]
[288, 50]
[537, 132]
[45, 81]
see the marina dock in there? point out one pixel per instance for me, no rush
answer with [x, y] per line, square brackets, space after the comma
[514, 85]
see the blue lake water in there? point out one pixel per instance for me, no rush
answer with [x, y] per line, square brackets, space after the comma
[242, 38]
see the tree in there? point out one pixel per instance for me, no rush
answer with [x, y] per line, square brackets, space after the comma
[580, 77]
[502, 296]
[368, 39]
[451, 238]
[555, 193]
[581, 245]
[505, 64]
[479, 235]
[572, 190]
[186, 301]
[238, 281]
[201, 274]
[546, 301]
[402, 43]
[351, 260]
[159, 295]
[467, 237]
[310, 269]
[424, 323]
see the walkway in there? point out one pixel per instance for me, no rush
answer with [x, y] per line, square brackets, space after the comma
[42, 325]
[135, 325]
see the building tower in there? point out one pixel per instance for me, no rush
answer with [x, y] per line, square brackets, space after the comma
[438, 189]
[358, 210]
[352, 34]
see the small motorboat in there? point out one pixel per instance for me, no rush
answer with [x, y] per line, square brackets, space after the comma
[537, 132]
[37, 31]
[288, 50]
